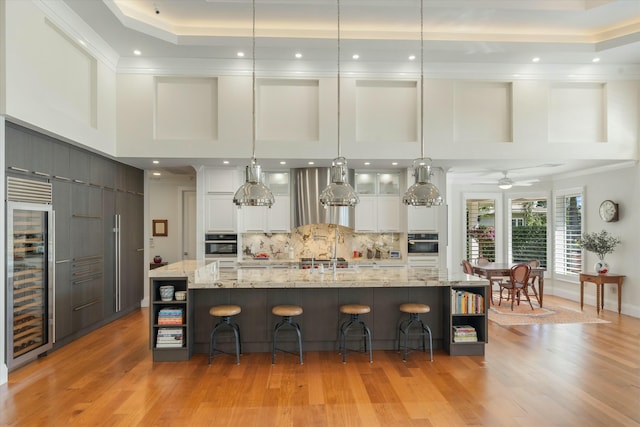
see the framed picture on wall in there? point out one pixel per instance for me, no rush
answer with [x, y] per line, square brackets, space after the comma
[160, 227]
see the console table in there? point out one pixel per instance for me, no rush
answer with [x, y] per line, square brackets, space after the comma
[600, 280]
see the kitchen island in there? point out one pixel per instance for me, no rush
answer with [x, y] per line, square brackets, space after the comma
[320, 295]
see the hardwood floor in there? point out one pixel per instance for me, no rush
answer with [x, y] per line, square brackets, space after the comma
[569, 375]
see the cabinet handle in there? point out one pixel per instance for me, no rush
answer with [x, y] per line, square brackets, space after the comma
[14, 168]
[79, 181]
[40, 173]
[88, 257]
[140, 250]
[62, 261]
[83, 306]
[89, 279]
[85, 272]
[86, 216]
[62, 178]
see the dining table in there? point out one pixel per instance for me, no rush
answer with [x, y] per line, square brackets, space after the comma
[503, 269]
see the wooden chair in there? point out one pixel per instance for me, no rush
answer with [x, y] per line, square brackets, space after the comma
[518, 283]
[534, 263]
[494, 280]
[467, 268]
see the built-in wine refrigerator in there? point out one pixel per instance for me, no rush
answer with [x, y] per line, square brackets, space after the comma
[29, 275]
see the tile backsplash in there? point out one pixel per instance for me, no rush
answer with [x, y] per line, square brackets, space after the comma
[319, 241]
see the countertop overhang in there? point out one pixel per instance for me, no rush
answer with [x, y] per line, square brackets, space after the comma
[206, 275]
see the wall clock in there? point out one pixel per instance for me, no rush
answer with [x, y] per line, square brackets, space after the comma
[608, 211]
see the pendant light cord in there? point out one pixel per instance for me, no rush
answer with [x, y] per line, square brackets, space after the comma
[338, 3]
[421, 79]
[253, 88]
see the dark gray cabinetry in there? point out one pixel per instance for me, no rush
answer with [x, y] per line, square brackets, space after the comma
[88, 191]
[479, 321]
[168, 354]
[124, 284]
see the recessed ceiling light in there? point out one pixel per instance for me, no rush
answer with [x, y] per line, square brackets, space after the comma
[367, 163]
[312, 163]
[283, 162]
[356, 56]
[298, 55]
[536, 59]
[137, 52]
[394, 163]
[596, 59]
[412, 57]
[82, 42]
[240, 54]
[156, 173]
[226, 162]
[155, 162]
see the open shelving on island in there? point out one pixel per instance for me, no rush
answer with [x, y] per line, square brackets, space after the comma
[168, 352]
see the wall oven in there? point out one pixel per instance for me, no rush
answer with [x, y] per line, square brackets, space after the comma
[422, 244]
[220, 245]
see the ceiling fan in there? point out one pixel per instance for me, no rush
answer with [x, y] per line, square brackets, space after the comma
[506, 183]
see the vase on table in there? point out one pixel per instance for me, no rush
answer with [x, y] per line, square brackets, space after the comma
[601, 266]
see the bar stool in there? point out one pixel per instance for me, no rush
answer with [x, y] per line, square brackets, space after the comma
[224, 312]
[414, 311]
[354, 311]
[286, 312]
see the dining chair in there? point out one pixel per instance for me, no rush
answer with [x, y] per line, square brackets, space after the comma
[494, 280]
[534, 263]
[467, 268]
[517, 283]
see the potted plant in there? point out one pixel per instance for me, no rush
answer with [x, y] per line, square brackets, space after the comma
[601, 244]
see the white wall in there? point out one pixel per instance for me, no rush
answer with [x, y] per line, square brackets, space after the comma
[598, 186]
[54, 83]
[615, 185]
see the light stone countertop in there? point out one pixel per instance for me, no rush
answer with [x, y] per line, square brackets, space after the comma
[203, 275]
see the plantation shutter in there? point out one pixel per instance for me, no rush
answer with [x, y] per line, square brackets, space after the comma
[568, 228]
[529, 230]
[480, 229]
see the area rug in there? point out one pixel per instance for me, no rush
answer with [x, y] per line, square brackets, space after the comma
[550, 313]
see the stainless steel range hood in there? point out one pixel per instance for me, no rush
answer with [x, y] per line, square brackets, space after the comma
[308, 183]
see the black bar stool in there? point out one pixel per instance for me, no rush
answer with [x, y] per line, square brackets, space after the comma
[224, 312]
[354, 311]
[287, 312]
[414, 311]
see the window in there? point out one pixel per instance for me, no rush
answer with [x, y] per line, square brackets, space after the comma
[529, 230]
[568, 228]
[481, 229]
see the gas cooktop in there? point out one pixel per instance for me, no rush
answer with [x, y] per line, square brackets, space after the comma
[306, 263]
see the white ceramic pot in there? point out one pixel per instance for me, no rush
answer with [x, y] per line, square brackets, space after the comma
[601, 267]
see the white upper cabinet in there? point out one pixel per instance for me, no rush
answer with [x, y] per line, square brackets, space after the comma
[379, 208]
[220, 213]
[219, 180]
[260, 219]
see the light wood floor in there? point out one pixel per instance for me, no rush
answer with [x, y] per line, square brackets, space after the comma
[565, 375]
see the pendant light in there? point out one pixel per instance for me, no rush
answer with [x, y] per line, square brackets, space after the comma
[339, 192]
[253, 192]
[423, 192]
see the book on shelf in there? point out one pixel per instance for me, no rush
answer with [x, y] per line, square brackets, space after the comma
[464, 333]
[170, 316]
[465, 302]
[169, 337]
